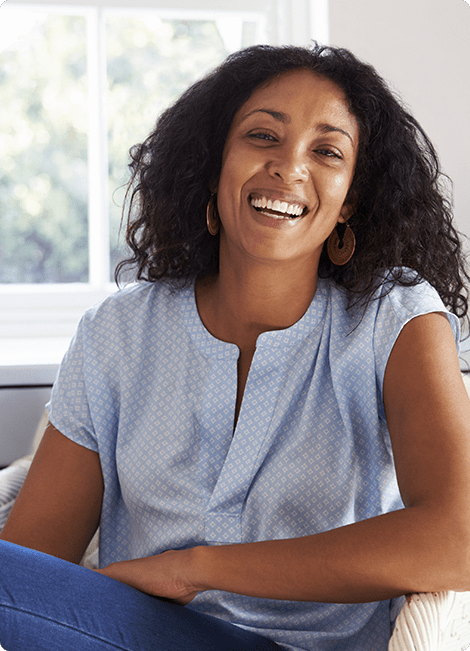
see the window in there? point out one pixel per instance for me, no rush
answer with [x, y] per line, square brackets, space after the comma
[80, 85]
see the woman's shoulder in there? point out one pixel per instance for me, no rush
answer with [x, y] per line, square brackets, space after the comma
[402, 290]
[405, 295]
[362, 337]
[135, 301]
[137, 317]
[400, 296]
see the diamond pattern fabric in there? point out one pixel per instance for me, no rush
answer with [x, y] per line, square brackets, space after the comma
[150, 389]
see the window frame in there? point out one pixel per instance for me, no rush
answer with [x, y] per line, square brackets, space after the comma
[53, 310]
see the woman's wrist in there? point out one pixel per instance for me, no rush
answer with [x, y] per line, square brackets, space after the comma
[198, 568]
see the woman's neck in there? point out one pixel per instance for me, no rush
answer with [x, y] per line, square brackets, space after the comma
[239, 304]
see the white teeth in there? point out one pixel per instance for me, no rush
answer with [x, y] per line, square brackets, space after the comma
[279, 206]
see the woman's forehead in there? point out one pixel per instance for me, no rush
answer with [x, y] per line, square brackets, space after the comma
[282, 95]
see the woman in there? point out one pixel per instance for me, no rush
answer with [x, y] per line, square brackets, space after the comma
[271, 430]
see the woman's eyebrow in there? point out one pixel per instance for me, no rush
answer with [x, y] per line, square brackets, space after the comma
[281, 117]
[328, 128]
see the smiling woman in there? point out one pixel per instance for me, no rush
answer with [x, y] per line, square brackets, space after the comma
[258, 426]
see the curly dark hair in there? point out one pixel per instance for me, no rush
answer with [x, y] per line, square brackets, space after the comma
[403, 214]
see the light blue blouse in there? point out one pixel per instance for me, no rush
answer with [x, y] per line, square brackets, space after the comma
[150, 389]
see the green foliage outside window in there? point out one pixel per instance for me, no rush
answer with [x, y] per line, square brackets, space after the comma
[43, 165]
[44, 123]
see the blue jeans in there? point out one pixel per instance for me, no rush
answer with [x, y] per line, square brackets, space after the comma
[47, 604]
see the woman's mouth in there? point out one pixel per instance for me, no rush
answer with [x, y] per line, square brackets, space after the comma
[277, 209]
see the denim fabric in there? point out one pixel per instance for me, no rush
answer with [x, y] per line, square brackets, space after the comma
[47, 604]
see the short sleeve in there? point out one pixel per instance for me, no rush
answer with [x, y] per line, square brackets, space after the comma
[69, 407]
[396, 309]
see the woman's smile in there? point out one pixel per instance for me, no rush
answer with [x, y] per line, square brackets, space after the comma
[277, 210]
[281, 208]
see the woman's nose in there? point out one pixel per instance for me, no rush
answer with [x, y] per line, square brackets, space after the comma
[291, 166]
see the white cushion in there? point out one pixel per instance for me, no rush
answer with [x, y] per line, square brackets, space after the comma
[11, 481]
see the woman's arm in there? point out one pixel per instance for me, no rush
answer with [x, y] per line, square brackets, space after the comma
[424, 547]
[58, 508]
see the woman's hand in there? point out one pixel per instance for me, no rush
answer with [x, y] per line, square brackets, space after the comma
[165, 575]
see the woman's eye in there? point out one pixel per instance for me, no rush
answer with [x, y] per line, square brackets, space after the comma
[260, 135]
[329, 153]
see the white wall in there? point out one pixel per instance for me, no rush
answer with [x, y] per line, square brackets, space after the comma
[422, 47]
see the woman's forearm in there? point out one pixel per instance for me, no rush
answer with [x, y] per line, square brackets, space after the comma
[405, 551]
[417, 549]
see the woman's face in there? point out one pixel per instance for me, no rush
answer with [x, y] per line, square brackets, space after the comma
[288, 163]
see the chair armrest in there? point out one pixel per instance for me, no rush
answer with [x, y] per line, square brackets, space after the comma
[435, 621]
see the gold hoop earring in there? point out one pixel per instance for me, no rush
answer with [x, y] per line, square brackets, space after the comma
[340, 251]
[212, 218]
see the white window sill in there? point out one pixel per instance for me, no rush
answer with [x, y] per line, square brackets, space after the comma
[45, 311]
[31, 361]
[36, 326]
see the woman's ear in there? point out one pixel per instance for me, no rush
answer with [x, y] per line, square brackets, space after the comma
[348, 209]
